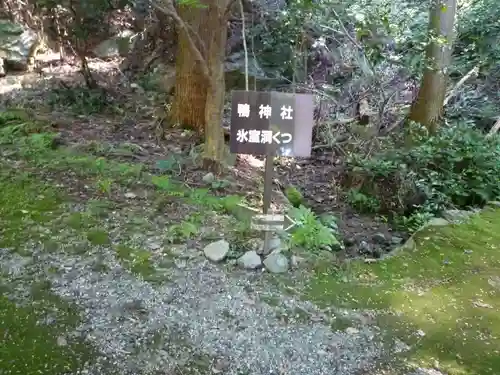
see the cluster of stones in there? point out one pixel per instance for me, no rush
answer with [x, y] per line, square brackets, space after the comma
[273, 260]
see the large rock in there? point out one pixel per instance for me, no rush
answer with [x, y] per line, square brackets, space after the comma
[250, 260]
[457, 216]
[119, 45]
[234, 69]
[18, 46]
[217, 251]
[276, 262]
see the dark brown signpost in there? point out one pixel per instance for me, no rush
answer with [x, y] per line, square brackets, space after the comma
[271, 124]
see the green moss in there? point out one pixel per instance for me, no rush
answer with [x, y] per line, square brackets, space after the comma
[98, 237]
[447, 289]
[80, 220]
[137, 261]
[25, 205]
[29, 347]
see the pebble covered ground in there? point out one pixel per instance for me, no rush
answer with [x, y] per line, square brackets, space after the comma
[199, 310]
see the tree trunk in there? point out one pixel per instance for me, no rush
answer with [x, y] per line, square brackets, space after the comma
[190, 84]
[216, 48]
[428, 108]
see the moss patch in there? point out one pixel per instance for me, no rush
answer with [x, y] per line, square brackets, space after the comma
[31, 347]
[137, 261]
[443, 298]
[26, 204]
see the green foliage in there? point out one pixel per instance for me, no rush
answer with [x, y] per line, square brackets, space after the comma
[294, 196]
[183, 231]
[457, 167]
[310, 233]
[105, 185]
[378, 23]
[362, 202]
[478, 31]
[279, 41]
[81, 100]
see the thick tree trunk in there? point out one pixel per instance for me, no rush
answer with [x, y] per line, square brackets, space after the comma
[428, 108]
[214, 136]
[200, 86]
[190, 84]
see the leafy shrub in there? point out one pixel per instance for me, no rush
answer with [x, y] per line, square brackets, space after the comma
[459, 166]
[310, 233]
[81, 100]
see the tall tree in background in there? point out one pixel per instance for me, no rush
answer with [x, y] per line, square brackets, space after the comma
[190, 84]
[206, 38]
[428, 107]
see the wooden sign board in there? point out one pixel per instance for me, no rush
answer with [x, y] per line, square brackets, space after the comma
[271, 123]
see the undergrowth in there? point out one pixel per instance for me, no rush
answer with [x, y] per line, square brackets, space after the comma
[36, 143]
[456, 168]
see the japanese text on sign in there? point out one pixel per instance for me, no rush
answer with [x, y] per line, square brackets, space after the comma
[262, 136]
[271, 123]
[265, 111]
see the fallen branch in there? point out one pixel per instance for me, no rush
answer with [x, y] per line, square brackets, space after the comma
[494, 129]
[454, 92]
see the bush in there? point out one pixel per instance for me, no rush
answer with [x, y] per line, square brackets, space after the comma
[458, 167]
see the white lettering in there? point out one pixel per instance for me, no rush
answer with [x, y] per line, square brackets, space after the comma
[288, 137]
[286, 113]
[265, 111]
[254, 136]
[243, 110]
[275, 138]
[242, 136]
[266, 136]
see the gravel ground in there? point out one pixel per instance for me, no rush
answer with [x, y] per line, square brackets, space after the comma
[201, 312]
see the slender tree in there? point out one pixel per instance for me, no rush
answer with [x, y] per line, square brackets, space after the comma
[428, 108]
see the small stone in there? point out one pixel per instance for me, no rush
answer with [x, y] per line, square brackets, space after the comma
[395, 240]
[221, 366]
[364, 247]
[276, 263]
[437, 222]
[208, 178]
[216, 251]
[409, 245]
[420, 333]
[295, 261]
[494, 204]
[130, 195]
[379, 238]
[154, 245]
[351, 331]
[250, 260]
[61, 341]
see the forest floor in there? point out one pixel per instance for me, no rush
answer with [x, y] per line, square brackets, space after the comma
[102, 271]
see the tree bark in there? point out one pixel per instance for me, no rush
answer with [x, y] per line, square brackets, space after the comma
[428, 108]
[214, 135]
[203, 34]
[190, 83]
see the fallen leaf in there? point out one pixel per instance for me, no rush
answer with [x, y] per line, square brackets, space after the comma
[481, 304]
[494, 281]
